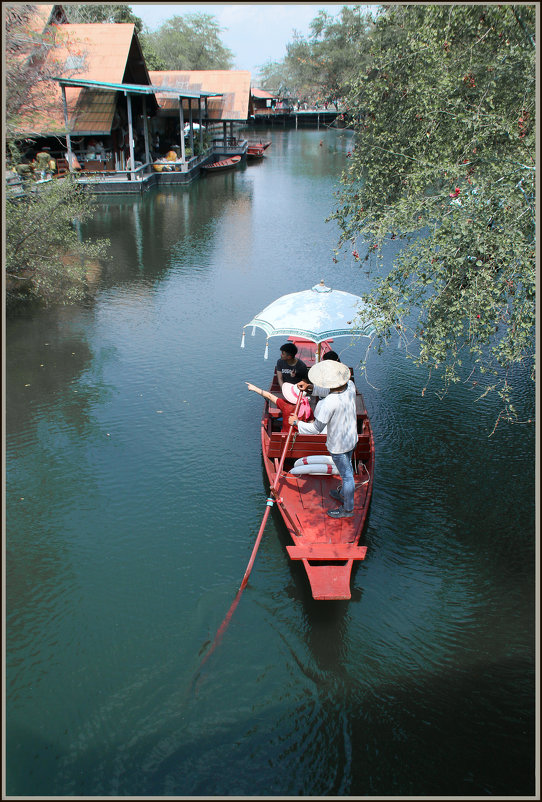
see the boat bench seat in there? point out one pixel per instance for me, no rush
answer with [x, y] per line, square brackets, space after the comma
[327, 551]
[305, 445]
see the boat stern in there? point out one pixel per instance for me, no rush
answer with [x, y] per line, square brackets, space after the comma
[328, 568]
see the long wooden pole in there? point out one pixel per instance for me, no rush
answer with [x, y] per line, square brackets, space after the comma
[270, 501]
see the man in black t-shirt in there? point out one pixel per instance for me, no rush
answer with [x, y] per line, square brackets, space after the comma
[288, 367]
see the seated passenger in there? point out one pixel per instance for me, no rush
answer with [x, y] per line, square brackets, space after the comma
[286, 404]
[288, 367]
[321, 392]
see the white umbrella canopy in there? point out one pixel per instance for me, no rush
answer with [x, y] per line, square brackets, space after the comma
[317, 314]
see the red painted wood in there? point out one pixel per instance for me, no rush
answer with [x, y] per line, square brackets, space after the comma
[305, 499]
[327, 551]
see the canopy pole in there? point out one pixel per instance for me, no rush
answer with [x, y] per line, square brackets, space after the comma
[319, 351]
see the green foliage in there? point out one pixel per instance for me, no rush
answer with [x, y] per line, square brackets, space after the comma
[152, 59]
[317, 68]
[44, 258]
[191, 42]
[275, 77]
[444, 160]
[90, 12]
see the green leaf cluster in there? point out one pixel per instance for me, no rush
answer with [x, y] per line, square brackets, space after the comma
[188, 42]
[444, 161]
[106, 12]
[317, 68]
[45, 260]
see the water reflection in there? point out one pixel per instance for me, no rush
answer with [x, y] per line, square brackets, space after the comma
[168, 227]
[53, 378]
[135, 492]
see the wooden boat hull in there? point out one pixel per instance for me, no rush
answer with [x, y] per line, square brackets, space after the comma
[255, 152]
[260, 144]
[326, 547]
[224, 164]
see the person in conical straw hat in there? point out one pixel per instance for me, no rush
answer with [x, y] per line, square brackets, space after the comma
[337, 411]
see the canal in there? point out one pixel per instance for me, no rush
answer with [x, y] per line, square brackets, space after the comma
[134, 492]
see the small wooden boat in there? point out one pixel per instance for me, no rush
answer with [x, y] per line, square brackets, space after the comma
[255, 151]
[264, 145]
[224, 164]
[327, 547]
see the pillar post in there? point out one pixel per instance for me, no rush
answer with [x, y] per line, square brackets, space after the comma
[130, 135]
[181, 129]
[66, 122]
[191, 125]
[200, 126]
[146, 131]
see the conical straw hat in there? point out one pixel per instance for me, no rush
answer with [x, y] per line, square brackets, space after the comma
[329, 374]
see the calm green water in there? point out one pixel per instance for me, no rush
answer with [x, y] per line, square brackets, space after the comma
[135, 490]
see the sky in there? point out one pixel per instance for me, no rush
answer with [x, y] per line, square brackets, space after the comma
[254, 32]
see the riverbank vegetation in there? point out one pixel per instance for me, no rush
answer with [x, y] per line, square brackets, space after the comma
[442, 102]
[444, 160]
[318, 68]
[46, 260]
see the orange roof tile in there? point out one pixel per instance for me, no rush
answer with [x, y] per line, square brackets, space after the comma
[262, 94]
[94, 51]
[234, 85]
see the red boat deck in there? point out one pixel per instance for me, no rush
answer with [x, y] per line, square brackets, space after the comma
[326, 546]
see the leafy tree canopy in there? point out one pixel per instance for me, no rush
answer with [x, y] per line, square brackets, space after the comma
[190, 42]
[90, 12]
[44, 258]
[318, 67]
[444, 160]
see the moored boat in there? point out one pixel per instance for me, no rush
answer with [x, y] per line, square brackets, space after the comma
[255, 151]
[327, 547]
[264, 145]
[224, 164]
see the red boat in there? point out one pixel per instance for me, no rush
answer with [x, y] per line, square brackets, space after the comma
[264, 145]
[225, 164]
[326, 546]
[255, 151]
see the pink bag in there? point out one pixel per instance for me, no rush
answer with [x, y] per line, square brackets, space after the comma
[304, 412]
